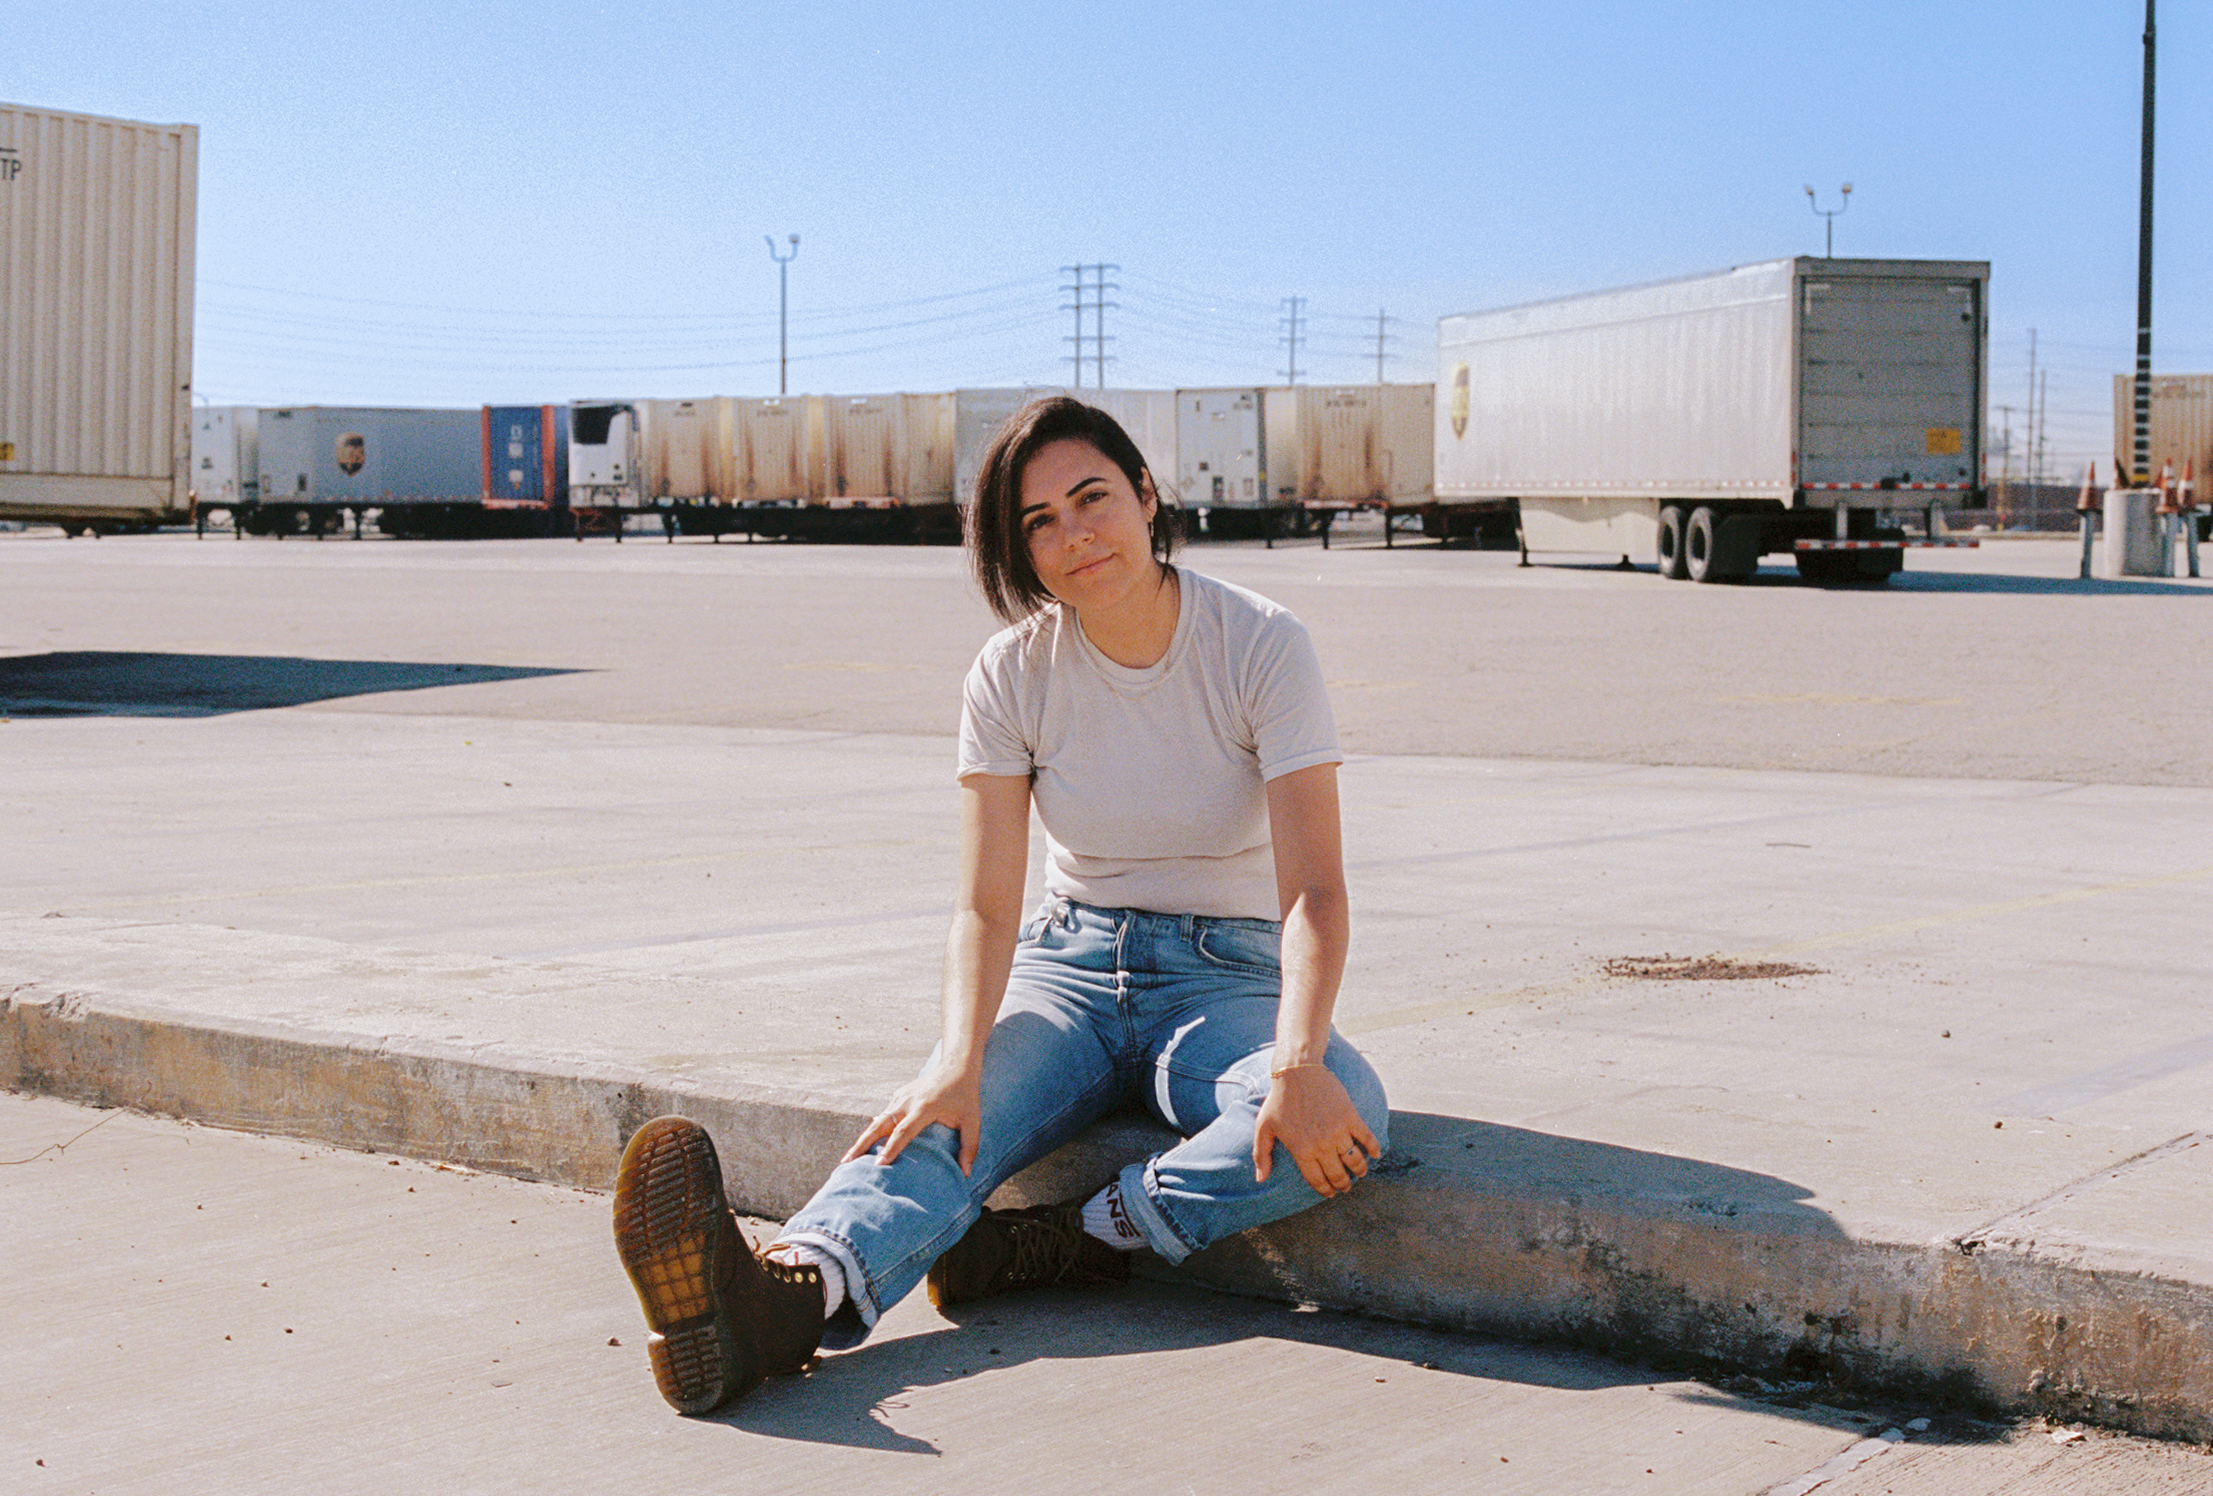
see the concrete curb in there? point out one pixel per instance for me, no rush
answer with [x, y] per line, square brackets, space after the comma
[1467, 1225]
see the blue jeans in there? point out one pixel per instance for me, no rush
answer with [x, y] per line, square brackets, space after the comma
[1105, 1008]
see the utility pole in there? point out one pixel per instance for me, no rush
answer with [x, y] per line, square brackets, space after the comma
[2031, 464]
[783, 306]
[1829, 217]
[1292, 306]
[1381, 337]
[2141, 459]
[1099, 285]
[2005, 466]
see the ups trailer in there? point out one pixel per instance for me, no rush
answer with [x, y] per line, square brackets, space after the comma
[1806, 406]
[97, 226]
[321, 465]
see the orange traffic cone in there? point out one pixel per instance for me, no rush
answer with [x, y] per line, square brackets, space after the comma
[2167, 488]
[2087, 500]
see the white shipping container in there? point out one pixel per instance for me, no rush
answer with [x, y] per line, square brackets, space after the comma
[1221, 450]
[97, 225]
[226, 455]
[1149, 416]
[2182, 425]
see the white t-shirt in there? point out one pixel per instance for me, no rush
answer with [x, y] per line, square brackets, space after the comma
[1150, 783]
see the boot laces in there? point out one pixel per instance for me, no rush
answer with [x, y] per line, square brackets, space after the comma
[1046, 1248]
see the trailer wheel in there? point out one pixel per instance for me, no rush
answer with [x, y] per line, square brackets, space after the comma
[1720, 547]
[1700, 547]
[1673, 565]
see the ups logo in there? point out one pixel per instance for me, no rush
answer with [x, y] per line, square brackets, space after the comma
[353, 451]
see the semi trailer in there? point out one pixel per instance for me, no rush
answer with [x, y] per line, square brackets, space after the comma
[97, 230]
[1820, 408]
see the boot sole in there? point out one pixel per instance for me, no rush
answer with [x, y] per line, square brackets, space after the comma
[672, 1226]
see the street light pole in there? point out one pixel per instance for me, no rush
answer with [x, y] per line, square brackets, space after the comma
[783, 302]
[1829, 217]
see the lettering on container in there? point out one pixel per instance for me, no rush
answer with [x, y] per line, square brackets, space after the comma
[11, 165]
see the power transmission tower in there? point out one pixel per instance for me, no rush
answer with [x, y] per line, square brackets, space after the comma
[1293, 305]
[1382, 336]
[1098, 306]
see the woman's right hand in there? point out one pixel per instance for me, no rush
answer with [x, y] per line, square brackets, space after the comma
[939, 1094]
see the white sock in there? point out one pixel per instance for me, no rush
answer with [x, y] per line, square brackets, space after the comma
[1105, 1217]
[800, 1254]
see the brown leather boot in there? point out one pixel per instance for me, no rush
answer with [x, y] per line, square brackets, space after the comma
[722, 1318]
[1007, 1250]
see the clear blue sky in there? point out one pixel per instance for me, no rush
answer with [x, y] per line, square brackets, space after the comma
[425, 204]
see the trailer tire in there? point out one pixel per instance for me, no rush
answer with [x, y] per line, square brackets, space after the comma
[1701, 547]
[1721, 547]
[1670, 543]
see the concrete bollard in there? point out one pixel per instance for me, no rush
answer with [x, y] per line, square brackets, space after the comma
[2130, 545]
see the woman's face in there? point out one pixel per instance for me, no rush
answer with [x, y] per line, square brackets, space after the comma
[1089, 533]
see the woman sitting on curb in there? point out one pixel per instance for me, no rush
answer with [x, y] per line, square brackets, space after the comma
[1173, 734]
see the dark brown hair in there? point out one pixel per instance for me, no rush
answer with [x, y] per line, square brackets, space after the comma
[993, 524]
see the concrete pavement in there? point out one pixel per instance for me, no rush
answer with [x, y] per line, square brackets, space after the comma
[258, 1315]
[1963, 1154]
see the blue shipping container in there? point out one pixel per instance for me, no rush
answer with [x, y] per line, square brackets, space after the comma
[526, 457]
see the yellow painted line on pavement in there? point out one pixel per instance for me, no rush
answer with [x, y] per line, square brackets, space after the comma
[1468, 1006]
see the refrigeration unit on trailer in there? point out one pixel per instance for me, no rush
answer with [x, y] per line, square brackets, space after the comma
[96, 260]
[1800, 405]
[603, 451]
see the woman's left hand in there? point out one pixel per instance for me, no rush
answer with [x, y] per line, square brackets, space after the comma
[1308, 1111]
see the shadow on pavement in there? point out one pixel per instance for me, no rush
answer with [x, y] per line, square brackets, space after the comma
[853, 1398]
[1438, 1168]
[109, 683]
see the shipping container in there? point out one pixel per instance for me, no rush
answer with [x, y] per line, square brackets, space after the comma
[685, 450]
[525, 457]
[97, 225]
[776, 442]
[359, 457]
[226, 457]
[1334, 445]
[1699, 423]
[1149, 416]
[896, 448]
[1222, 450]
[2182, 425]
